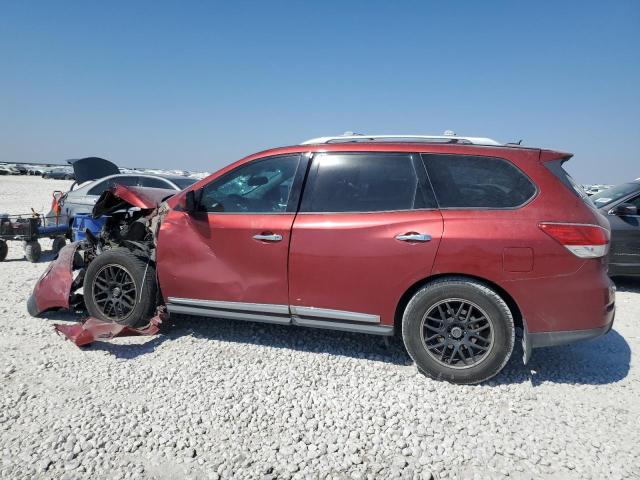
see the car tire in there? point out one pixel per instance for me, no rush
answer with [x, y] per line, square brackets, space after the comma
[121, 287]
[4, 249]
[458, 330]
[32, 251]
[58, 244]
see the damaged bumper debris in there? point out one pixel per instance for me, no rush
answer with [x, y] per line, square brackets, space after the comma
[133, 216]
[54, 288]
[92, 329]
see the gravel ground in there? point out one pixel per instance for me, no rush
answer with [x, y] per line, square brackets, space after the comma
[223, 399]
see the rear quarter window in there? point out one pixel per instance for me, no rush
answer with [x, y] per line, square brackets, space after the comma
[561, 174]
[469, 181]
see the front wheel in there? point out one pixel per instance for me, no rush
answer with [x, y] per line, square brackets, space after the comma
[458, 330]
[121, 287]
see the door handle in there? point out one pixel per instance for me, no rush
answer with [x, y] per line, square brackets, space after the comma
[268, 237]
[413, 237]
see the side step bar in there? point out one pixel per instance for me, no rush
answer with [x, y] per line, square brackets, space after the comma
[385, 330]
[282, 315]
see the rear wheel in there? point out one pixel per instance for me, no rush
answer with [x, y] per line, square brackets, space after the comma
[3, 250]
[459, 330]
[32, 251]
[121, 287]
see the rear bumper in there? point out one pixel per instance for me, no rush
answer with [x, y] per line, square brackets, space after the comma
[554, 339]
[531, 340]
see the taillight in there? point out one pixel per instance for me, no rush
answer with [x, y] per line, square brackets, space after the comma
[584, 241]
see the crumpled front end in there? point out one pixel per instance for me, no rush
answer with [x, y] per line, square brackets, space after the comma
[134, 216]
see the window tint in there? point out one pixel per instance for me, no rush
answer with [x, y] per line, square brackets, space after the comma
[154, 182]
[465, 181]
[98, 188]
[262, 186]
[368, 182]
[635, 201]
[557, 169]
[610, 195]
[123, 180]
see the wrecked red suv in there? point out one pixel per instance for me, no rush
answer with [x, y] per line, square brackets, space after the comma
[454, 242]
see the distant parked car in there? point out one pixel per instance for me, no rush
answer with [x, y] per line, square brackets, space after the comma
[95, 175]
[593, 189]
[19, 169]
[59, 174]
[35, 170]
[12, 169]
[621, 205]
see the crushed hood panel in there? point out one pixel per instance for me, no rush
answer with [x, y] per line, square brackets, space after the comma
[121, 196]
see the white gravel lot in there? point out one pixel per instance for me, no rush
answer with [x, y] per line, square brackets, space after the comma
[225, 399]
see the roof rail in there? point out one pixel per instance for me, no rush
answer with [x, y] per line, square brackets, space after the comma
[447, 137]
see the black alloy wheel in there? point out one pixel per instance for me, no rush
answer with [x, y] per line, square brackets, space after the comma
[457, 333]
[114, 292]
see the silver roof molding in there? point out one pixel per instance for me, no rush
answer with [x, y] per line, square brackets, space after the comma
[448, 137]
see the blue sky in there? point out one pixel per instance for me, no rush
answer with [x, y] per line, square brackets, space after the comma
[196, 85]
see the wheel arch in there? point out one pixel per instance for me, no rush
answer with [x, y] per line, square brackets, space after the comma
[410, 292]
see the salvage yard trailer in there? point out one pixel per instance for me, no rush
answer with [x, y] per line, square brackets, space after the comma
[28, 229]
[452, 242]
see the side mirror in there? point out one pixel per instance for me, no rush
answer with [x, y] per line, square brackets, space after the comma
[624, 209]
[192, 201]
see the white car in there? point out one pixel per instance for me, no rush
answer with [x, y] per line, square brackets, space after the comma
[95, 175]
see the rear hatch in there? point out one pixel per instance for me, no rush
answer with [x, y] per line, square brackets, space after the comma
[92, 168]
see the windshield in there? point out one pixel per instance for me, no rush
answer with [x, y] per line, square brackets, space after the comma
[610, 195]
[183, 183]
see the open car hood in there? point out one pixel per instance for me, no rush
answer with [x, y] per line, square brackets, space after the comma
[92, 168]
[121, 196]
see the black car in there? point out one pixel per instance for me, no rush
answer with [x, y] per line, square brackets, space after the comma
[621, 205]
[59, 174]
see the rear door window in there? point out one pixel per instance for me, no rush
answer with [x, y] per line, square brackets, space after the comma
[98, 188]
[154, 182]
[366, 182]
[469, 181]
[129, 181]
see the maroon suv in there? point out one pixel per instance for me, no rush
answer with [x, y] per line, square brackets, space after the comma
[454, 242]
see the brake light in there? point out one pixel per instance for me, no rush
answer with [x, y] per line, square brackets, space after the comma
[583, 240]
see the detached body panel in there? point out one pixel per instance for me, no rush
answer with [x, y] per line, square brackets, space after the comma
[53, 289]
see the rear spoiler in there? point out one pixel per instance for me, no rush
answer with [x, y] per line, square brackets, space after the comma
[552, 155]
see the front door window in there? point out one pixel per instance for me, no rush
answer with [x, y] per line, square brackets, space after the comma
[263, 186]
